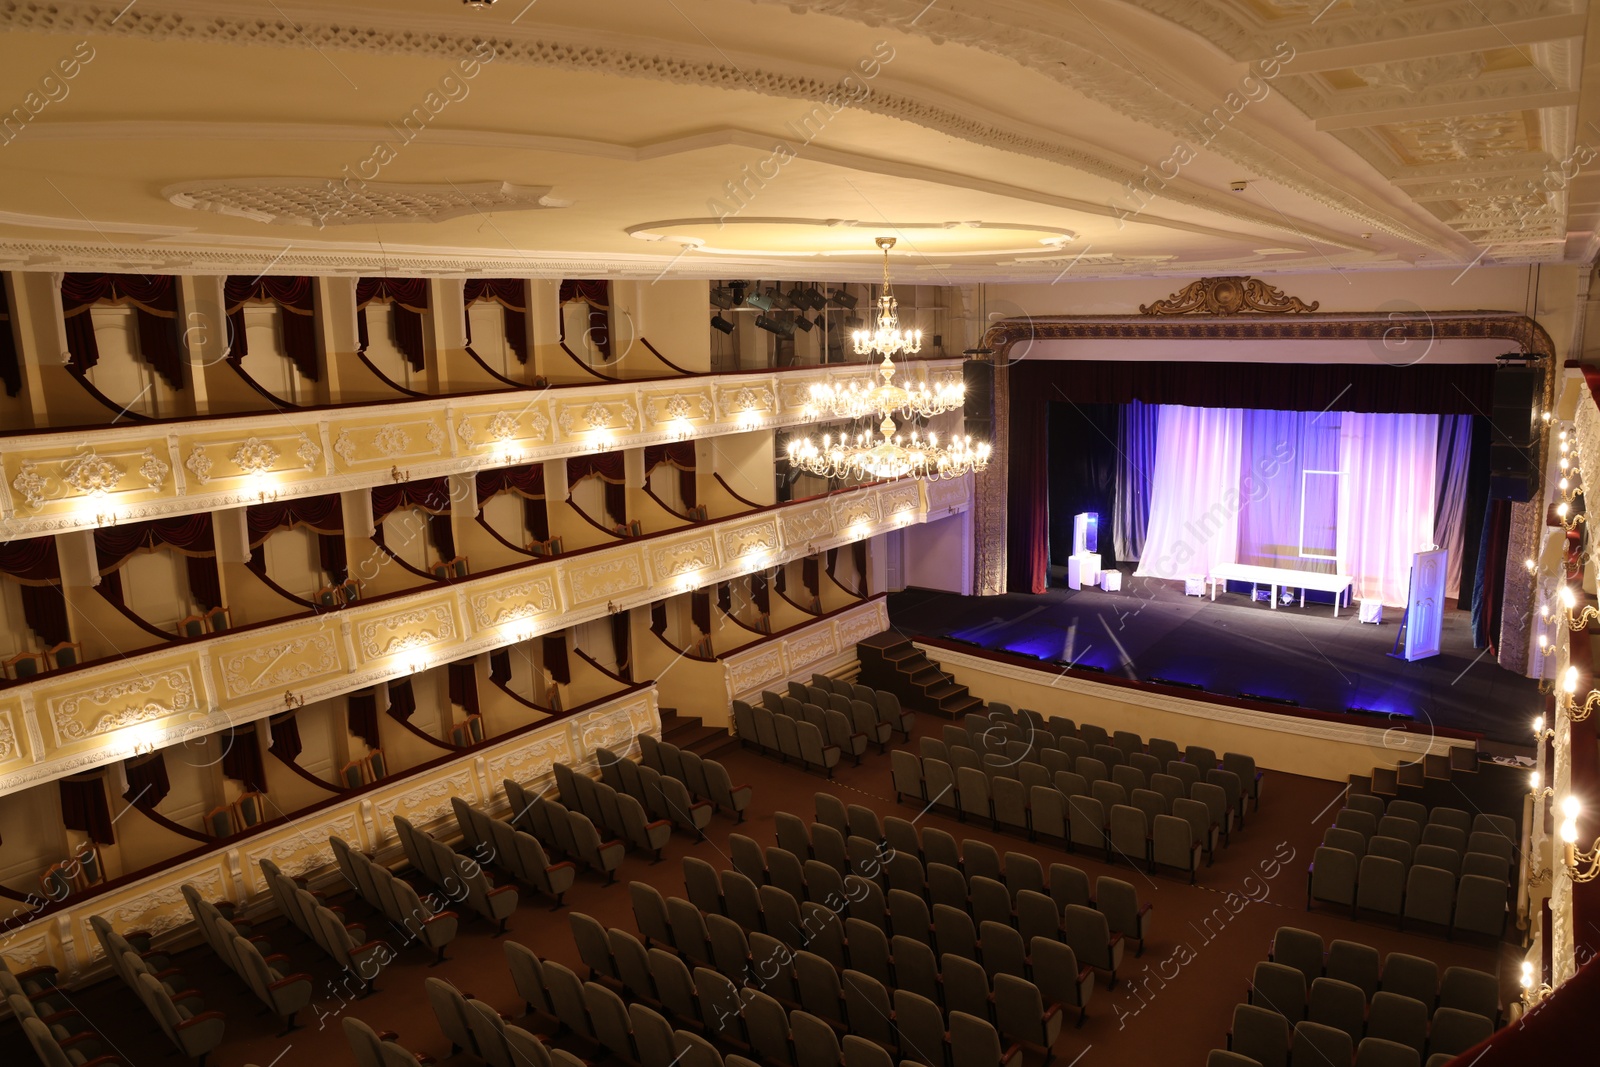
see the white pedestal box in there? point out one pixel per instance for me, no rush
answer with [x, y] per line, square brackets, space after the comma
[1083, 569]
[1111, 581]
[1370, 610]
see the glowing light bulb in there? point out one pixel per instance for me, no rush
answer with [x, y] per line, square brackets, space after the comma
[1561, 510]
[1570, 808]
[1538, 724]
[1528, 563]
[1569, 831]
[1534, 780]
[1569, 680]
[1568, 601]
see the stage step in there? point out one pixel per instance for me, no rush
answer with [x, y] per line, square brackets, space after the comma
[1411, 775]
[892, 663]
[689, 733]
[1436, 767]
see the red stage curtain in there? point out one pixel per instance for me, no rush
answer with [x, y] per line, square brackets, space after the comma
[297, 316]
[147, 781]
[241, 759]
[285, 734]
[597, 294]
[408, 300]
[512, 296]
[10, 367]
[555, 658]
[402, 700]
[1028, 493]
[33, 563]
[431, 495]
[84, 807]
[361, 716]
[154, 299]
[526, 481]
[1559, 1030]
[463, 682]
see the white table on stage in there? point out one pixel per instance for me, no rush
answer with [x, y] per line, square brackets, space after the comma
[1282, 578]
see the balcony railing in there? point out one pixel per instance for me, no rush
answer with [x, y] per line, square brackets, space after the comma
[63, 480]
[72, 720]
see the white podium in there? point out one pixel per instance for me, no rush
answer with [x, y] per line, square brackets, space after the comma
[1111, 581]
[1083, 569]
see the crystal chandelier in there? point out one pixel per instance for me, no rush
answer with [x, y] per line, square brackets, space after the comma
[856, 400]
[889, 454]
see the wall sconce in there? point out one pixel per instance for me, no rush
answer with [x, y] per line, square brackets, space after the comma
[1582, 865]
[1545, 648]
[1569, 686]
[1540, 732]
[1577, 620]
[1531, 994]
[1568, 517]
[1537, 791]
[399, 475]
[290, 700]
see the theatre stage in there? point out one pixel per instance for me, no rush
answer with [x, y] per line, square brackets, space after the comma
[1151, 630]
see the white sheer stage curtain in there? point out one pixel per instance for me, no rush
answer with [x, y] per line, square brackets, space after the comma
[1230, 485]
[1386, 508]
[1194, 492]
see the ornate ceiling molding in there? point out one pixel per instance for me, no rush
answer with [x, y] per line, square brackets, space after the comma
[1061, 58]
[327, 202]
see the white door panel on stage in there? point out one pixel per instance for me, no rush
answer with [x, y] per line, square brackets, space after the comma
[1425, 609]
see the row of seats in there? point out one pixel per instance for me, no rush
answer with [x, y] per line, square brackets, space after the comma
[345, 944]
[605, 803]
[754, 1014]
[1400, 974]
[1388, 1016]
[372, 1049]
[474, 1027]
[182, 1017]
[460, 878]
[1026, 735]
[57, 1032]
[705, 778]
[395, 899]
[848, 723]
[660, 795]
[282, 994]
[1173, 832]
[568, 831]
[777, 733]
[1487, 854]
[890, 713]
[511, 850]
[1476, 903]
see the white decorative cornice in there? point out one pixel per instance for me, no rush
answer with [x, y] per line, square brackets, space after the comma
[1078, 66]
[325, 202]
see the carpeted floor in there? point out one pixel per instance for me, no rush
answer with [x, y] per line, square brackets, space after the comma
[1151, 630]
[1174, 1003]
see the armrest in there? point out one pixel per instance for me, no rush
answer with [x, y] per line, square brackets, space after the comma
[34, 972]
[276, 957]
[292, 979]
[830, 748]
[502, 889]
[203, 1017]
[59, 1016]
[439, 916]
[1085, 972]
[617, 842]
[78, 1039]
[1114, 939]
[388, 1035]
[703, 803]
[656, 823]
[187, 994]
[1051, 1012]
[1147, 906]
[736, 788]
[573, 866]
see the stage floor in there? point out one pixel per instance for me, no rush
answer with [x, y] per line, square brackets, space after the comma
[1150, 629]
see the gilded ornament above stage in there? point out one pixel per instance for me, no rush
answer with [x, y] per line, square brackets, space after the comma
[1229, 296]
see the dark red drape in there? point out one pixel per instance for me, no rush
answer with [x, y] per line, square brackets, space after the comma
[402, 700]
[332, 556]
[204, 585]
[295, 298]
[324, 514]
[241, 759]
[622, 644]
[1559, 1030]
[780, 579]
[700, 610]
[431, 495]
[658, 617]
[190, 535]
[597, 294]
[536, 516]
[858, 555]
[154, 299]
[512, 296]
[725, 597]
[285, 734]
[33, 563]
[761, 593]
[555, 658]
[500, 666]
[1491, 574]
[1028, 498]
[408, 300]
[463, 681]
[147, 781]
[609, 468]
[811, 575]
[526, 481]
[10, 366]
[84, 807]
[680, 456]
[361, 716]
[444, 538]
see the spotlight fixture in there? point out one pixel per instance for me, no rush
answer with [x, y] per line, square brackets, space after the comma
[778, 326]
[803, 322]
[840, 298]
[797, 298]
[478, 5]
[1285, 701]
[814, 298]
[1174, 683]
[723, 298]
[760, 300]
[722, 324]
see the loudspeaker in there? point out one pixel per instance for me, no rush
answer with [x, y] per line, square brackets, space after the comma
[1514, 433]
[978, 410]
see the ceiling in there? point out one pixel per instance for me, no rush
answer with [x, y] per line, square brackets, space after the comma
[1018, 140]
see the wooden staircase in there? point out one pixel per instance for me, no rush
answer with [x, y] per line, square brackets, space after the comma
[892, 663]
[1443, 779]
[688, 732]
